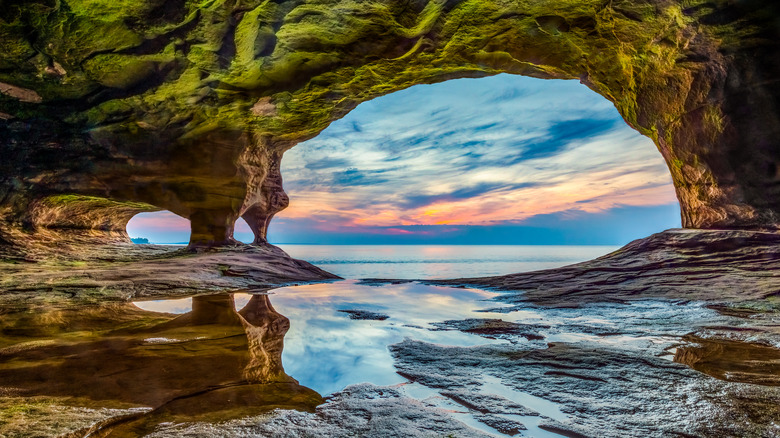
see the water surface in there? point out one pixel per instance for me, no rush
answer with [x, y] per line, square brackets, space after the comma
[326, 350]
[441, 261]
[225, 356]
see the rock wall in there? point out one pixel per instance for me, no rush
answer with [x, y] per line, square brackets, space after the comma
[112, 107]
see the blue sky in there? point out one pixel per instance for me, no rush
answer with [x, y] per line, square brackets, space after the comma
[499, 160]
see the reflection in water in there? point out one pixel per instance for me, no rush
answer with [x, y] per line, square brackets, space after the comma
[349, 351]
[201, 359]
[212, 363]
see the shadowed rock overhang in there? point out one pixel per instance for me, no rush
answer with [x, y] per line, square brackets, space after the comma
[113, 107]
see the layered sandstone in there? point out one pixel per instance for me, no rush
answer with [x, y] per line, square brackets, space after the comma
[726, 268]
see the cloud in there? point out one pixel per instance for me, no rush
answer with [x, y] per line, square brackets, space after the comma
[328, 163]
[356, 177]
[160, 227]
[465, 193]
[562, 135]
[163, 221]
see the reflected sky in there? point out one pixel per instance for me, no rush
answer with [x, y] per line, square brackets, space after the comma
[326, 350]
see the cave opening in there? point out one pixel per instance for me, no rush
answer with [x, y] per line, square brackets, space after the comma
[506, 159]
[494, 160]
[242, 232]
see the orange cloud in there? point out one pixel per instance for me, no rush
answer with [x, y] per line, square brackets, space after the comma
[587, 193]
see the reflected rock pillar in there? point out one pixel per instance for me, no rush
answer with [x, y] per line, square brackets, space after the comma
[265, 330]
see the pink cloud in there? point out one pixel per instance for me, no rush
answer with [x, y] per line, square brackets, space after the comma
[161, 221]
[397, 231]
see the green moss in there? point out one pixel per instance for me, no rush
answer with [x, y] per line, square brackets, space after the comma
[13, 46]
[313, 38]
[254, 33]
[713, 117]
[322, 26]
[108, 8]
[72, 38]
[427, 19]
[123, 71]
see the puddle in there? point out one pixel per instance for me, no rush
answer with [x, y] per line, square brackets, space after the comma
[493, 385]
[211, 363]
[431, 397]
[326, 350]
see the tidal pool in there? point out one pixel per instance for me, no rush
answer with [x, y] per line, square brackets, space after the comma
[131, 368]
[327, 350]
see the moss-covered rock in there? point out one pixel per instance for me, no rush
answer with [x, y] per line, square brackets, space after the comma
[187, 105]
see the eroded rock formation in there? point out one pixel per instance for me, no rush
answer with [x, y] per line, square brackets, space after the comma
[109, 108]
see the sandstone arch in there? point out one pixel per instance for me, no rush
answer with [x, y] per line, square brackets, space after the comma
[188, 105]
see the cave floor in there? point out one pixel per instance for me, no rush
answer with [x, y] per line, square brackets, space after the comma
[674, 335]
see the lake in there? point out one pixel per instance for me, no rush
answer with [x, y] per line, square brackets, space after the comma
[441, 261]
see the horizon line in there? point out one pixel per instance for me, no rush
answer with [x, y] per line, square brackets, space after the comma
[412, 244]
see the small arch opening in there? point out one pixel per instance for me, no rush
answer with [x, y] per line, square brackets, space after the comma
[159, 228]
[242, 232]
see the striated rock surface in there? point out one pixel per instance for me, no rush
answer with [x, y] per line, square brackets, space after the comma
[358, 410]
[122, 272]
[599, 391]
[736, 267]
[110, 108]
[491, 328]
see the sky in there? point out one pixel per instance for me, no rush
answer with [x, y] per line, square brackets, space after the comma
[499, 160]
